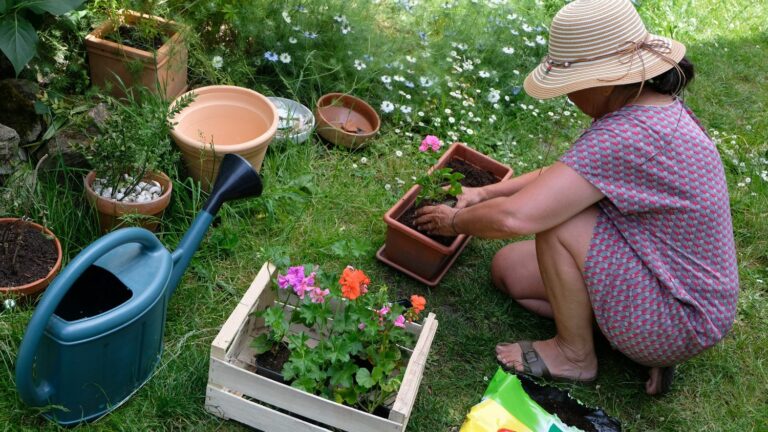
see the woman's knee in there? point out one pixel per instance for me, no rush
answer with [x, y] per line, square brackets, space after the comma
[508, 271]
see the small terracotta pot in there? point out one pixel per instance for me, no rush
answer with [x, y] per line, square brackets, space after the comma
[236, 119]
[168, 66]
[346, 120]
[40, 284]
[412, 252]
[110, 210]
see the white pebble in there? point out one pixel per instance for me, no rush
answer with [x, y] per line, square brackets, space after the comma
[142, 198]
[155, 190]
[141, 185]
[98, 190]
[119, 196]
[156, 184]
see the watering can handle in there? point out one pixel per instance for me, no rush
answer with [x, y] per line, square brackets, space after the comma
[38, 395]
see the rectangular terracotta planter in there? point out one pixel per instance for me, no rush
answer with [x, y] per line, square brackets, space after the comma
[167, 66]
[412, 252]
[236, 392]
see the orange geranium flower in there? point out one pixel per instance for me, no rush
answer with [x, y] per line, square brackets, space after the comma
[418, 302]
[353, 282]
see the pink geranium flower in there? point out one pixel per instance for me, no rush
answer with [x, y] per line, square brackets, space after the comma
[430, 142]
[400, 321]
[318, 294]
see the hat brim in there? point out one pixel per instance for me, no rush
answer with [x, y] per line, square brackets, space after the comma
[615, 70]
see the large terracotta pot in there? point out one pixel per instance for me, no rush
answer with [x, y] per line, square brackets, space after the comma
[40, 284]
[346, 120]
[412, 252]
[109, 60]
[221, 120]
[110, 210]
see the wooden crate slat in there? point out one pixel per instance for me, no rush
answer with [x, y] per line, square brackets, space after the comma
[234, 324]
[297, 401]
[406, 396]
[224, 404]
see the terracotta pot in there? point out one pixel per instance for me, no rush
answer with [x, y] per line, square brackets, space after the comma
[167, 67]
[236, 119]
[412, 252]
[110, 210]
[346, 120]
[40, 284]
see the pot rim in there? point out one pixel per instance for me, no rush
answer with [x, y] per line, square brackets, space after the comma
[28, 288]
[96, 37]
[356, 99]
[91, 177]
[262, 139]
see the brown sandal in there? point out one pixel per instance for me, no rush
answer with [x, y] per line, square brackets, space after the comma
[533, 364]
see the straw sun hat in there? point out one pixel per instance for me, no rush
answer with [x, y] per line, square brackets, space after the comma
[595, 43]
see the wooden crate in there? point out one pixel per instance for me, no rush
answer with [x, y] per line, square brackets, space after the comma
[235, 392]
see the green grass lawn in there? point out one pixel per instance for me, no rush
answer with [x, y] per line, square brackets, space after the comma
[324, 205]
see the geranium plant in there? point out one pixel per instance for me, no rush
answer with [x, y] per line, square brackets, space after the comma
[357, 357]
[441, 183]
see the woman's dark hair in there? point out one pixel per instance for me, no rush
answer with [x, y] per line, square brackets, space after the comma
[673, 81]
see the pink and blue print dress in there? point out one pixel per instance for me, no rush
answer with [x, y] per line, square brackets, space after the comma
[661, 268]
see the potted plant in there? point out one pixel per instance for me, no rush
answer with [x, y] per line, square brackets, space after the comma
[423, 257]
[30, 257]
[129, 156]
[132, 48]
[349, 352]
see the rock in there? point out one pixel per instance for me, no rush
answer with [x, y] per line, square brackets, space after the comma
[64, 148]
[17, 108]
[10, 152]
[99, 114]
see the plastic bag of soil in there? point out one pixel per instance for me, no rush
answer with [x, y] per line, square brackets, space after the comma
[512, 404]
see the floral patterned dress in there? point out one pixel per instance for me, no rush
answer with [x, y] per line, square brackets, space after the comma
[661, 268]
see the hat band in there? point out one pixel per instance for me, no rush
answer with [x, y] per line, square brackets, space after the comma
[659, 47]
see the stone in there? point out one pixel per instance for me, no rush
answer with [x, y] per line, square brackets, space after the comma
[17, 108]
[64, 149]
[99, 115]
[10, 152]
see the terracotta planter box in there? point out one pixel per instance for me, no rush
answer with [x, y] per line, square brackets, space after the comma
[110, 210]
[166, 67]
[236, 392]
[412, 252]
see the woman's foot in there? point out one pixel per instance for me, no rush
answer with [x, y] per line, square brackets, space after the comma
[561, 361]
[659, 380]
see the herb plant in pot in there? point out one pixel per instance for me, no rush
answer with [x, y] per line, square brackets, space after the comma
[423, 257]
[129, 155]
[30, 257]
[348, 346]
[132, 48]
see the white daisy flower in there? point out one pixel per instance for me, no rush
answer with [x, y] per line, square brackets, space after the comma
[508, 50]
[285, 58]
[217, 62]
[286, 17]
[387, 106]
[484, 74]
[292, 40]
[405, 109]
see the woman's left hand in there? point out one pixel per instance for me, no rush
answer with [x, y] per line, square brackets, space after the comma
[435, 220]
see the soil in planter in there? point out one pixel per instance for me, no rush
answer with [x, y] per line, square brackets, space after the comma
[473, 177]
[133, 37]
[36, 255]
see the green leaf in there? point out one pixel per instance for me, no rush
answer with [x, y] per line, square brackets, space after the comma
[262, 343]
[18, 40]
[4, 4]
[54, 7]
[377, 373]
[343, 376]
[363, 377]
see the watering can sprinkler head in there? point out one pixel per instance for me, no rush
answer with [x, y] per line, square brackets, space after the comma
[236, 179]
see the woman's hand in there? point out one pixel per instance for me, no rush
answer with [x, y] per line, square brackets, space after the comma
[436, 220]
[470, 196]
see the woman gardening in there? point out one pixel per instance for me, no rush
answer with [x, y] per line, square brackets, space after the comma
[632, 225]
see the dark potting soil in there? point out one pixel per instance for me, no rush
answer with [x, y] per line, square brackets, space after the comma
[567, 409]
[473, 176]
[36, 254]
[130, 36]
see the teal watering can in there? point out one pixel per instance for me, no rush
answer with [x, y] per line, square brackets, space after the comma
[97, 333]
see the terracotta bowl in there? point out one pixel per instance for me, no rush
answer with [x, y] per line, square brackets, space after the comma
[40, 284]
[221, 120]
[346, 120]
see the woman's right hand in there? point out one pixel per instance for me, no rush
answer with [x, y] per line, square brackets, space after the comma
[469, 196]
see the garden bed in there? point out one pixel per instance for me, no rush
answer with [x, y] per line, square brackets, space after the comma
[236, 392]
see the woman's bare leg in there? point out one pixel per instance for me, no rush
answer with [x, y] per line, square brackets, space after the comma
[561, 253]
[515, 272]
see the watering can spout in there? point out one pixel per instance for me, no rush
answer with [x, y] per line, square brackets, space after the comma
[236, 179]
